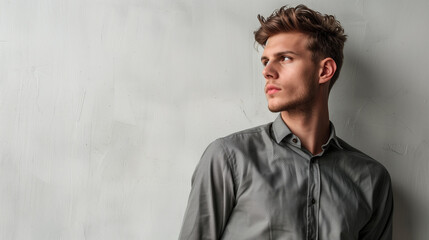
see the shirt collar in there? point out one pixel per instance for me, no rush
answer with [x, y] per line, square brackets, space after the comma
[281, 131]
[332, 137]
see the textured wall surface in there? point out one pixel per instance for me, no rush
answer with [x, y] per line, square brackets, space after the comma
[107, 105]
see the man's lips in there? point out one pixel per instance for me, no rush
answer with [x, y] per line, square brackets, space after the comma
[271, 89]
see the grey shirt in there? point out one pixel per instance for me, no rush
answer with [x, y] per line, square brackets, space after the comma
[262, 184]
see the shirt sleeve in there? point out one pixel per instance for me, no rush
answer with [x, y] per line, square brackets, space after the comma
[212, 196]
[380, 225]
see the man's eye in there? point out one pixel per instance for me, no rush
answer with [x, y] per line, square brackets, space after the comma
[285, 58]
[265, 63]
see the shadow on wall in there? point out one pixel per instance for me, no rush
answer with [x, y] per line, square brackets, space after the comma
[372, 108]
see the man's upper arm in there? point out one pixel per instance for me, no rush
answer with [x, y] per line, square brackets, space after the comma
[380, 225]
[212, 195]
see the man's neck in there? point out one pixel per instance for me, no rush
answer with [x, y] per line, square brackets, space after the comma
[312, 127]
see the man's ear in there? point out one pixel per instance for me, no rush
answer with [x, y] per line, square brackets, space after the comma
[327, 70]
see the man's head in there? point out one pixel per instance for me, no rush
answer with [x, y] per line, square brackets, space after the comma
[325, 35]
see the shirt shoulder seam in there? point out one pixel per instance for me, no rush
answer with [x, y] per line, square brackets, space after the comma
[229, 160]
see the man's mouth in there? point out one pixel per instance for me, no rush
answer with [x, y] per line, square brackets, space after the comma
[270, 89]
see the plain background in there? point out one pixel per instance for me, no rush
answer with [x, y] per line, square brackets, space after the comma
[107, 105]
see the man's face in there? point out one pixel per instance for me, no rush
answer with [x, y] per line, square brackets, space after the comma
[291, 74]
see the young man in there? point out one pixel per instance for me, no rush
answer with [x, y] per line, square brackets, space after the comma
[293, 178]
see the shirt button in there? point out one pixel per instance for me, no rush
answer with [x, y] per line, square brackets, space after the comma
[294, 140]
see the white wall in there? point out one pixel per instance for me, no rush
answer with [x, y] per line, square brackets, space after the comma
[107, 105]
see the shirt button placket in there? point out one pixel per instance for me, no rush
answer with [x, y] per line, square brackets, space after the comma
[316, 196]
[313, 192]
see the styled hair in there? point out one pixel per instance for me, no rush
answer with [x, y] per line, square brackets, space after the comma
[325, 35]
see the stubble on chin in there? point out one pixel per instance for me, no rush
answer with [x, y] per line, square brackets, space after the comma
[302, 104]
[289, 107]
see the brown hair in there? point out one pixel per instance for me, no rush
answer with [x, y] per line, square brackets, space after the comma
[325, 35]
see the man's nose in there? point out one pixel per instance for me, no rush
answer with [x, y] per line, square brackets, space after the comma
[270, 72]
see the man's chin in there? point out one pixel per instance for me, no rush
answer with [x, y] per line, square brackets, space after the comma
[278, 106]
[274, 109]
[286, 107]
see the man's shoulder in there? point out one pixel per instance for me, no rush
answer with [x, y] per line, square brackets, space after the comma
[243, 142]
[251, 134]
[244, 138]
[360, 159]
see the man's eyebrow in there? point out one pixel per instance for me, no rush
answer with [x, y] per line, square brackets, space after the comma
[280, 54]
